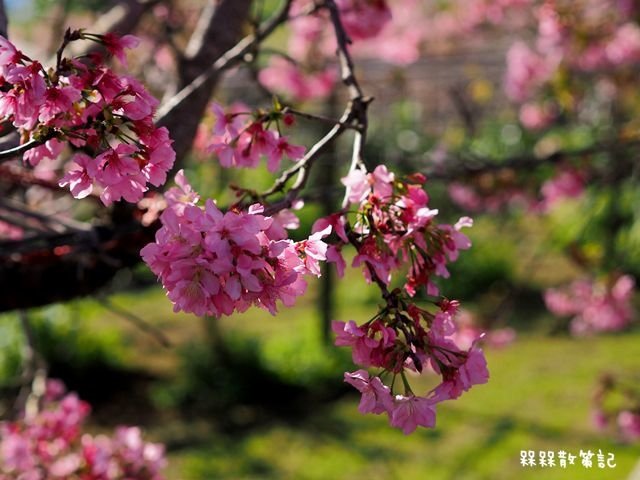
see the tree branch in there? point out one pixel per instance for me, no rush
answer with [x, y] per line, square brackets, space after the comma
[460, 168]
[45, 219]
[12, 153]
[355, 92]
[303, 167]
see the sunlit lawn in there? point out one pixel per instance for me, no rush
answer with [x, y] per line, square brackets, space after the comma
[538, 398]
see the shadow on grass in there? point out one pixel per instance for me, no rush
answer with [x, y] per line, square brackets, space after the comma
[230, 386]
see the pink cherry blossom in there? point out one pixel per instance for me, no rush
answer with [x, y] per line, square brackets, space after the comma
[410, 412]
[595, 307]
[314, 250]
[159, 155]
[58, 100]
[116, 45]
[334, 255]
[376, 397]
[629, 424]
[363, 18]
[80, 177]
[49, 150]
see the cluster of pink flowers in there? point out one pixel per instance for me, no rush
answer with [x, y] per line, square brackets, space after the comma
[240, 139]
[594, 306]
[306, 72]
[214, 263]
[85, 104]
[592, 37]
[51, 445]
[394, 226]
[527, 71]
[401, 338]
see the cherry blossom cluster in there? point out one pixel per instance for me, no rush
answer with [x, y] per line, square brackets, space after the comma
[394, 226]
[624, 416]
[106, 118]
[214, 263]
[241, 139]
[52, 445]
[596, 37]
[594, 306]
[306, 70]
[395, 32]
[402, 338]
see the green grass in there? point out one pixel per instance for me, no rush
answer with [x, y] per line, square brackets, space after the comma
[538, 398]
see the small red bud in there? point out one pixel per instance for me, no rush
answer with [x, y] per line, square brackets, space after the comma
[417, 178]
[288, 119]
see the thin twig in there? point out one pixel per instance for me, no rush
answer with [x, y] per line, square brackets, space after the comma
[11, 153]
[228, 60]
[346, 62]
[355, 92]
[303, 167]
[20, 222]
[311, 116]
[456, 168]
[138, 322]
[17, 207]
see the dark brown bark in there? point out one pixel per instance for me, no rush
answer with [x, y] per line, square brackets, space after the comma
[66, 266]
